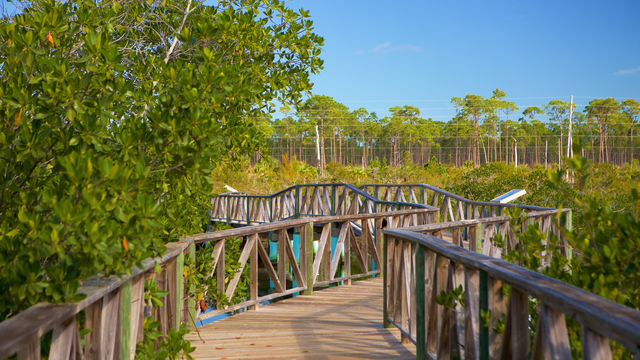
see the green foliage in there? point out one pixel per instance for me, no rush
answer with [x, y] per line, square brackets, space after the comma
[111, 122]
[173, 346]
[604, 247]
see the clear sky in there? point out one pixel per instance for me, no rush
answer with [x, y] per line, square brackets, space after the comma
[380, 54]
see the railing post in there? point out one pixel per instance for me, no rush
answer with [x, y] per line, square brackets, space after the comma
[253, 281]
[333, 200]
[297, 202]
[385, 282]
[421, 334]
[125, 321]
[248, 210]
[228, 209]
[308, 246]
[379, 245]
[270, 208]
[484, 307]
[179, 287]
[191, 302]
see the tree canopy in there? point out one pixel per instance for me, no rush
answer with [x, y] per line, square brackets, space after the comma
[113, 115]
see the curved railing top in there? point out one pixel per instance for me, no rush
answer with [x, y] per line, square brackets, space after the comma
[348, 186]
[460, 198]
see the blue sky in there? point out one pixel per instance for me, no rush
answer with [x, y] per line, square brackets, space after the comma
[381, 54]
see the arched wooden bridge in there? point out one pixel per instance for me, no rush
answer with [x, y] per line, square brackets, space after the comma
[335, 271]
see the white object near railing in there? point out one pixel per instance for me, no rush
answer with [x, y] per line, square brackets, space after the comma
[509, 196]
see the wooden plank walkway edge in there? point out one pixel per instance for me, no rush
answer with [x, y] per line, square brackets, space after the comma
[338, 322]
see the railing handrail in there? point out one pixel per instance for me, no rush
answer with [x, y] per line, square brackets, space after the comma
[45, 316]
[285, 224]
[617, 322]
[458, 197]
[39, 319]
[348, 186]
[482, 221]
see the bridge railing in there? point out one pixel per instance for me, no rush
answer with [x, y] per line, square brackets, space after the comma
[300, 273]
[300, 201]
[477, 234]
[115, 308]
[452, 207]
[419, 269]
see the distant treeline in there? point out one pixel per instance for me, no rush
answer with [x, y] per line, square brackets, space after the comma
[483, 130]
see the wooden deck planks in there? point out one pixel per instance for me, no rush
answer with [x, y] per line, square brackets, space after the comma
[342, 322]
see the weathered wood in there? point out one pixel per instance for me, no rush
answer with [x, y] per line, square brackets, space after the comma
[270, 270]
[348, 240]
[220, 263]
[456, 315]
[345, 278]
[93, 321]
[335, 259]
[360, 254]
[179, 279]
[170, 274]
[125, 321]
[30, 350]
[498, 309]
[137, 316]
[324, 241]
[379, 240]
[594, 345]
[420, 303]
[612, 320]
[552, 340]
[387, 261]
[246, 251]
[293, 263]
[307, 244]
[283, 330]
[443, 284]
[253, 277]
[472, 315]
[279, 225]
[190, 308]
[62, 339]
[110, 318]
[43, 317]
[518, 318]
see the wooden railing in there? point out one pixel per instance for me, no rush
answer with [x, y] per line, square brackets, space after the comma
[452, 207]
[476, 234]
[115, 308]
[300, 201]
[418, 268]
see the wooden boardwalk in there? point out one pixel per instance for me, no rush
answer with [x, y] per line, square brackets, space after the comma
[341, 322]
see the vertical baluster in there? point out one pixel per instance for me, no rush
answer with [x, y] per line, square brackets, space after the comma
[388, 280]
[253, 285]
[552, 340]
[307, 245]
[30, 350]
[443, 284]
[595, 346]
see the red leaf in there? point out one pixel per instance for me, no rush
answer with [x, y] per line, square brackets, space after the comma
[50, 38]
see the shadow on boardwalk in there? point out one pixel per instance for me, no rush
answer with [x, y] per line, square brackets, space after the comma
[338, 322]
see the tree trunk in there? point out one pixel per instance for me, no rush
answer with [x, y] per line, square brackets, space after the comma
[535, 136]
[323, 159]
